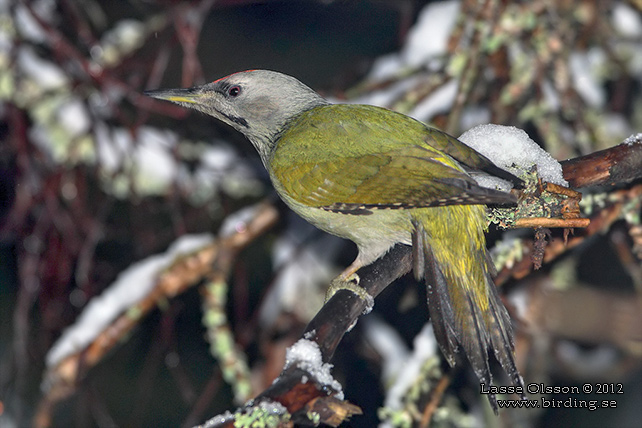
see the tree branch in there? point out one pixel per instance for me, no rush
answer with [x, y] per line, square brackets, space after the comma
[615, 165]
[62, 379]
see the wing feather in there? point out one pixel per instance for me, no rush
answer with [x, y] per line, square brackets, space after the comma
[368, 164]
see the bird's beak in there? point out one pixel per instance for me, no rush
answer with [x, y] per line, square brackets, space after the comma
[201, 99]
[188, 96]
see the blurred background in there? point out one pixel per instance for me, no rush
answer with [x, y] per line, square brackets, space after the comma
[98, 183]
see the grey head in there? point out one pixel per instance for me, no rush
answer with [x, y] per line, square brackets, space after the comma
[257, 103]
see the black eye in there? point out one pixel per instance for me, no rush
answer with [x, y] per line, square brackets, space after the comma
[234, 91]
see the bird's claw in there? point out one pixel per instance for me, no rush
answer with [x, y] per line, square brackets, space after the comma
[351, 283]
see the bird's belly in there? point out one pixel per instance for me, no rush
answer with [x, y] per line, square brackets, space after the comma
[374, 233]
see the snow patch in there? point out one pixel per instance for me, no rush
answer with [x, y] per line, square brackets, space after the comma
[388, 344]
[306, 355]
[626, 20]
[425, 347]
[155, 165]
[426, 47]
[512, 149]
[73, 116]
[633, 139]
[304, 262]
[28, 26]
[219, 420]
[148, 153]
[47, 74]
[441, 100]
[584, 69]
[131, 286]
[429, 37]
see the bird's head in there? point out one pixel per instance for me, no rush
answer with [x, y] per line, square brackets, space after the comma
[257, 103]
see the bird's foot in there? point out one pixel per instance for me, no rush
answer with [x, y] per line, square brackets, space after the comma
[344, 283]
[351, 283]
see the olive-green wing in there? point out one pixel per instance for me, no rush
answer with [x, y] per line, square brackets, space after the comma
[406, 177]
[354, 158]
[348, 130]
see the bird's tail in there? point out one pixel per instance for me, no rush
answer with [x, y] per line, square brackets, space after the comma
[450, 253]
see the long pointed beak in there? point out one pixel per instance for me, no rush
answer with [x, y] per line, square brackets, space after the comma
[188, 95]
[201, 99]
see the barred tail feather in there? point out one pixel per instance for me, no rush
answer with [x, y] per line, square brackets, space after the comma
[440, 308]
[459, 319]
[502, 338]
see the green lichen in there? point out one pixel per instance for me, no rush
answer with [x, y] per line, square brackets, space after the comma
[592, 201]
[527, 206]
[631, 211]
[263, 415]
[222, 344]
[399, 418]
[535, 201]
[564, 274]
[314, 417]
[410, 413]
[507, 252]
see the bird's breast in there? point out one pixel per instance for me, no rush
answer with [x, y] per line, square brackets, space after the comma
[373, 233]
